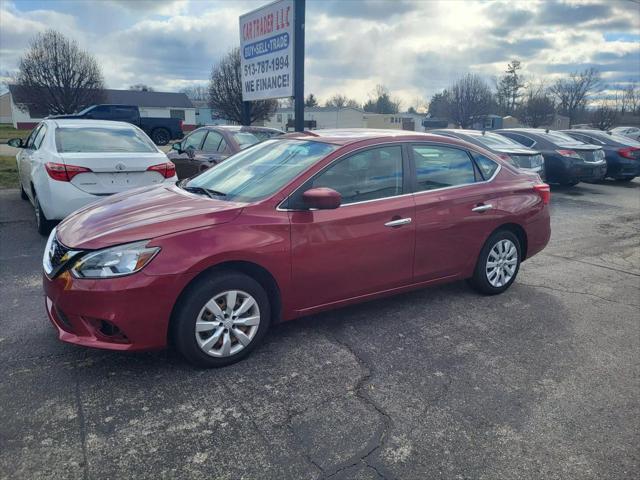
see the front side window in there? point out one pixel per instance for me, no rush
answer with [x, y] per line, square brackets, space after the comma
[367, 175]
[260, 170]
[33, 135]
[194, 140]
[97, 139]
[39, 137]
[439, 167]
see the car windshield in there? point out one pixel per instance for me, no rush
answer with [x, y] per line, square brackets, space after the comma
[260, 170]
[245, 139]
[494, 140]
[559, 137]
[102, 140]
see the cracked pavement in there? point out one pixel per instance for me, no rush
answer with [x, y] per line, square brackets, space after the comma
[441, 383]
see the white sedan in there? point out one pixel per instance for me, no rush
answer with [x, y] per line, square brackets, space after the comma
[630, 132]
[66, 164]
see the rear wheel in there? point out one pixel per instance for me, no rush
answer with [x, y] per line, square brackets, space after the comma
[43, 225]
[160, 136]
[221, 319]
[498, 263]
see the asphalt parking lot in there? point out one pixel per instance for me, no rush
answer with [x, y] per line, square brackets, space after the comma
[540, 382]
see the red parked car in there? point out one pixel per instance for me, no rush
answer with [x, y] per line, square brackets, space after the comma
[288, 227]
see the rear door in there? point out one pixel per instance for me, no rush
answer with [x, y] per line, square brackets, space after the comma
[454, 209]
[366, 245]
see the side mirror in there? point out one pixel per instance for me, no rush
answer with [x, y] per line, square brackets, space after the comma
[322, 198]
[16, 142]
[177, 147]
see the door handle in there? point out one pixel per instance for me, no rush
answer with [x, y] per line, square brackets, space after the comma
[482, 208]
[398, 223]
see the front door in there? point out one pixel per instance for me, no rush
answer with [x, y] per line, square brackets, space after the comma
[186, 165]
[366, 245]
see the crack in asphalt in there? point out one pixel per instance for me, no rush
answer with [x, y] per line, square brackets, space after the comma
[83, 431]
[377, 441]
[556, 289]
[594, 264]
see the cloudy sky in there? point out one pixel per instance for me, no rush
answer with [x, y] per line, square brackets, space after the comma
[414, 47]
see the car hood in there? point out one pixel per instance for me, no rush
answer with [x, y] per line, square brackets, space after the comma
[515, 150]
[142, 214]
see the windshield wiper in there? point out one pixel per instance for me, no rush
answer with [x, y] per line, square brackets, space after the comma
[209, 193]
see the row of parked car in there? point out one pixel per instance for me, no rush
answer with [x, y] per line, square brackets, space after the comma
[561, 157]
[69, 162]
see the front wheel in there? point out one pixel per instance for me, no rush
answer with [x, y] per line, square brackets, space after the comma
[221, 319]
[498, 263]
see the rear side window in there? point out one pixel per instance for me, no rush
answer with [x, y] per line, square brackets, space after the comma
[212, 142]
[486, 166]
[439, 167]
[96, 139]
[368, 175]
[521, 139]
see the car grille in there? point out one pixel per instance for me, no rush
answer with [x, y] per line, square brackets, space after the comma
[57, 251]
[528, 161]
[591, 156]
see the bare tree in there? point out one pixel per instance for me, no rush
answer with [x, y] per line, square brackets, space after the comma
[57, 77]
[341, 101]
[225, 92]
[537, 107]
[141, 87]
[604, 115]
[311, 101]
[196, 92]
[630, 102]
[509, 88]
[469, 98]
[573, 93]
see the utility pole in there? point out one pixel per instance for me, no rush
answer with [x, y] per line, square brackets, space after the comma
[298, 74]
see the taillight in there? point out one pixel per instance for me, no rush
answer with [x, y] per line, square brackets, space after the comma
[181, 124]
[167, 170]
[630, 152]
[62, 172]
[544, 191]
[569, 153]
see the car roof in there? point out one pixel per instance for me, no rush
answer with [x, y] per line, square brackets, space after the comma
[84, 123]
[242, 128]
[346, 136]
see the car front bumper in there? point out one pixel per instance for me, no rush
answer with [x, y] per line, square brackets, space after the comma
[126, 313]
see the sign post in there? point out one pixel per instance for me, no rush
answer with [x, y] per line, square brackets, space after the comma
[298, 79]
[272, 54]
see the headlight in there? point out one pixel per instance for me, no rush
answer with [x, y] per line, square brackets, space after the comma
[115, 261]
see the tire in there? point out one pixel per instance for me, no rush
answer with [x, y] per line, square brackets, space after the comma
[481, 275]
[43, 225]
[569, 184]
[23, 194]
[624, 179]
[200, 348]
[160, 136]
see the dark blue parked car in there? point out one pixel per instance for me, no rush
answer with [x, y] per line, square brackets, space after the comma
[567, 161]
[621, 153]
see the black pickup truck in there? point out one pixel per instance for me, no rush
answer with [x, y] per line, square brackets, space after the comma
[161, 130]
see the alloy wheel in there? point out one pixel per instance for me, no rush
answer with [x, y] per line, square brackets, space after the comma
[227, 323]
[502, 262]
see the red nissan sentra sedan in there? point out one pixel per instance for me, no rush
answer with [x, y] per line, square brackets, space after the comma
[288, 227]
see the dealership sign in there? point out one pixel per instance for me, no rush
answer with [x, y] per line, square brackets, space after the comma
[266, 51]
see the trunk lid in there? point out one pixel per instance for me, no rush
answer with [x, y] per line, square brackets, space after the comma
[114, 172]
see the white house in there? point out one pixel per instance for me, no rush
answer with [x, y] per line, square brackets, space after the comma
[324, 117]
[13, 107]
